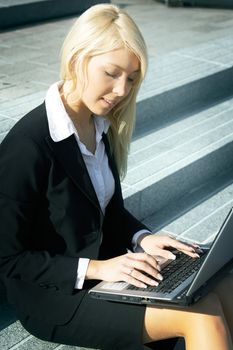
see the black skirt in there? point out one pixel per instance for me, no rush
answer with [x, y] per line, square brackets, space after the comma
[96, 324]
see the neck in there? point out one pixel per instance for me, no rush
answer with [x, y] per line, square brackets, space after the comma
[78, 112]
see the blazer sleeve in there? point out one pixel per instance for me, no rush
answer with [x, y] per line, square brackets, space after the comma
[23, 176]
[126, 223]
[132, 225]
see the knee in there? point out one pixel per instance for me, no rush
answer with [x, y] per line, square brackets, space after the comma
[210, 324]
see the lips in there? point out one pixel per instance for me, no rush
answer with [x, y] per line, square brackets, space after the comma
[110, 103]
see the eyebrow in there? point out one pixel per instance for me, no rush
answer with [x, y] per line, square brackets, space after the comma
[116, 65]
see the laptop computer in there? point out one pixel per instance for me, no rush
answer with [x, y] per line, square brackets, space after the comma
[185, 279]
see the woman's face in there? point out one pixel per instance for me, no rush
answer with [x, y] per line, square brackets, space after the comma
[111, 77]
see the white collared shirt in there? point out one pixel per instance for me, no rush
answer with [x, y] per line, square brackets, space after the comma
[60, 128]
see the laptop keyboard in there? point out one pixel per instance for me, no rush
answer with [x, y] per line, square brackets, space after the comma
[175, 273]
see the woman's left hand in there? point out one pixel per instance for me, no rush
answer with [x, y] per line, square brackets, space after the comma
[159, 245]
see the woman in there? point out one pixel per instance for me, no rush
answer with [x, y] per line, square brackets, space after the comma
[63, 222]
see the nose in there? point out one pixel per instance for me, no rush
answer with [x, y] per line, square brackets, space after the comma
[121, 88]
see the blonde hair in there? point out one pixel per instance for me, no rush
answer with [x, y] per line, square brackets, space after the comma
[100, 29]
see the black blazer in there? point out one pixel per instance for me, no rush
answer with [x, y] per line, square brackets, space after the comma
[50, 217]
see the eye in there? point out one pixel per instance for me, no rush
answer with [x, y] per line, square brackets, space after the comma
[131, 80]
[111, 75]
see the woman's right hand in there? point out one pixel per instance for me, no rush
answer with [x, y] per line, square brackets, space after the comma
[130, 267]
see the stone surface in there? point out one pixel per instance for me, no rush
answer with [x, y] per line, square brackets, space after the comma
[180, 165]
[20, 12]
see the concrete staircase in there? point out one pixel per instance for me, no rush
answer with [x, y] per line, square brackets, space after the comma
[181, 161]
[22, 12]
[180, 164]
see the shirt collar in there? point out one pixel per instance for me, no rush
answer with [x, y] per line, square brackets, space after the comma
[60, 124]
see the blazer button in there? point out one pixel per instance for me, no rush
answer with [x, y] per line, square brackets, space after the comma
[52, 286]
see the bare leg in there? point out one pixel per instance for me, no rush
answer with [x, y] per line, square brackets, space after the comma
[224, 290]
[203, 325]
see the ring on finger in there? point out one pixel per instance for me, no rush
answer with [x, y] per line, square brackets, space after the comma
[130, 272]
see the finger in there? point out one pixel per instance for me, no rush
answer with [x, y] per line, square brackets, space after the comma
[171, 255]
[191, 254]
[133, 281]
[144, 267]
[145, 278]
[143, 262]
[165, 254]
[139, 280]
[184, 247]
[190, 249]
[134, 258]
[197, 248]
[127, 276]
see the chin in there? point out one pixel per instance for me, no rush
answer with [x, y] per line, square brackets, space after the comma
[101, 111]
[104, 113]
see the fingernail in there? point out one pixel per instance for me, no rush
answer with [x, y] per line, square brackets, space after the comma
[172, 256]
[143, 285]
[199, 250]
[154, 283]
[160, 277]
[158, 268]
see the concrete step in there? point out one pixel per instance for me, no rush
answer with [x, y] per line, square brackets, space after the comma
[7, 313]
[16, 337]
[184, 80]
[208, 3]
[20, 12]
[199, 130]
[164, 95]
[198, 214]
[166, 163]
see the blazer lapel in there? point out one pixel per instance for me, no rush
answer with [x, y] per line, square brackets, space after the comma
[69, 155]
[112, 163]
